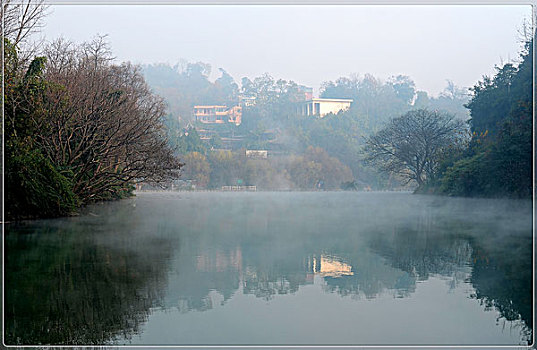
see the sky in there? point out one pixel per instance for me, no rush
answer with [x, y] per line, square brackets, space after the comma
[305, 43]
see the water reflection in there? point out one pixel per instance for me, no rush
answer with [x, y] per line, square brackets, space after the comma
[83, 280]
[492, 254]
[500, 278]
[99, 278]
[331, 266]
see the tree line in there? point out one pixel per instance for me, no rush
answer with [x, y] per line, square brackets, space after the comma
[498, 159]
[208, 168]
[272, 122]
[78, 129]
[490, 156]
[81, 128]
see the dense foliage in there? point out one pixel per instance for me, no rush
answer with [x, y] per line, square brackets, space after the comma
[314, 169]
[78, 129]
[498, 160]
[185, 85]
[272, 123]
[377, 101]
[495, 160]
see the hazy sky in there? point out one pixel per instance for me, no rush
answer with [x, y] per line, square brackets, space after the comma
[308, 44]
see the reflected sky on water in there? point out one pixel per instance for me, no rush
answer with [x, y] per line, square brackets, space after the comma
[274, 268]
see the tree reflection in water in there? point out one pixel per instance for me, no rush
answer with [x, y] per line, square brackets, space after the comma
[495, 260]
[68, 283]
[502, 278]
[392, 257]
[91, 280]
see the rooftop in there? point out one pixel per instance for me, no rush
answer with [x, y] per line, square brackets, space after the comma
[329, 100]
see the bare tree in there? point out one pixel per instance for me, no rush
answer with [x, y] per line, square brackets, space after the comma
[411, 145]
[101, 121]
[21, 18]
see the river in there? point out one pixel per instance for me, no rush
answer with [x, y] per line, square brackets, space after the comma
[311, 268]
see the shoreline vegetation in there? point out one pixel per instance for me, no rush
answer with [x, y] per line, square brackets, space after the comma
[496, 159]
[484, 154]
[81, 128]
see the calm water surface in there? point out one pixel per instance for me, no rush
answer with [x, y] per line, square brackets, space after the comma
[274, 268]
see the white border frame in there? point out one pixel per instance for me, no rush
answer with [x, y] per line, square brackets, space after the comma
[532, 3]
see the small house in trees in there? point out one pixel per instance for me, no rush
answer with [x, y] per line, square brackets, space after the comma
[218, 114]
[323, 106]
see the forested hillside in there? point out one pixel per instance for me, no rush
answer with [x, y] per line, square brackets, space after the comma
[498, 159]
[272, 123]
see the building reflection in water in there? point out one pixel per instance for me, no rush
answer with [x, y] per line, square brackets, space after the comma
[110, 284]
[330, 266]
[390, 260]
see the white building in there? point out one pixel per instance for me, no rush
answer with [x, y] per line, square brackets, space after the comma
[250, 153]
[323, 106]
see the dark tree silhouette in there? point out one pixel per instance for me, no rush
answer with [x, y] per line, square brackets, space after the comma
[410, 145]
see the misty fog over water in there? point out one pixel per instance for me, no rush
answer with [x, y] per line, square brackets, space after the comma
[241, 175]
[274, 268]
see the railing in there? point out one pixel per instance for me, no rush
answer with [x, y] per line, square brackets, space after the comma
[239, 188]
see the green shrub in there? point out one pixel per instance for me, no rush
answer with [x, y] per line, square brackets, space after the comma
[36, 188]
[467, 177]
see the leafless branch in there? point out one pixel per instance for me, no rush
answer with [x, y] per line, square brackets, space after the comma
[411, 145]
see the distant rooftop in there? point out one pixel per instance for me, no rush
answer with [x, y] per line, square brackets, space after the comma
[317, 99]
